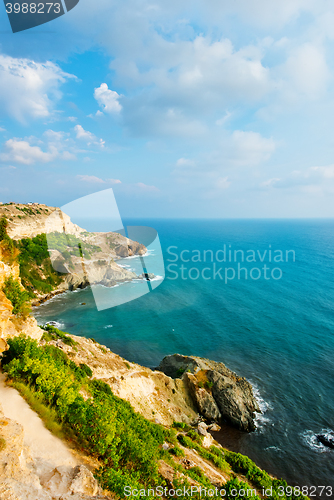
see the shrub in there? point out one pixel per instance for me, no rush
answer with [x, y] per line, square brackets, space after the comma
[195, 436]
[176, 451]
[18, 297]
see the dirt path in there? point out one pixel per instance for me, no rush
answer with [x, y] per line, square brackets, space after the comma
[47, 450]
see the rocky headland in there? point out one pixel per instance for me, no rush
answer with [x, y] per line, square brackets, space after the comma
[75, 258]
[219, 394]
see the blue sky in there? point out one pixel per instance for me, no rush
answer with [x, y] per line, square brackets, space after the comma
[186, 109]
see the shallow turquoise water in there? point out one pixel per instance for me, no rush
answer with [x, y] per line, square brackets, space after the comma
[279, 333]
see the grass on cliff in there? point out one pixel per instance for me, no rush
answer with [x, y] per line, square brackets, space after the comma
[127, 445]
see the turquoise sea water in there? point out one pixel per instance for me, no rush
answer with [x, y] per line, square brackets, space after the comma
[278, 333]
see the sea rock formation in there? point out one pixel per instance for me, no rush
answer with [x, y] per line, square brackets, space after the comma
[219, 394]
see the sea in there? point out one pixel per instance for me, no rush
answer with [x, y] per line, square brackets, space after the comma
[257, 295]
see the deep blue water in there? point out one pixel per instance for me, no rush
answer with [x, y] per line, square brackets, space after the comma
[277, 333]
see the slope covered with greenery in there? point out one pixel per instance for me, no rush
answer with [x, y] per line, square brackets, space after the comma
[127, 446]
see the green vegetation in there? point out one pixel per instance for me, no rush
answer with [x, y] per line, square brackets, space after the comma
[18, 297]
[224, 459]
[195, 436]
[72, 245]
[52, 333]
[127, 445]
[177, 451]
[36, 270]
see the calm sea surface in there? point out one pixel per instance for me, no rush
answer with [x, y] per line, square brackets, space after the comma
[276, 328]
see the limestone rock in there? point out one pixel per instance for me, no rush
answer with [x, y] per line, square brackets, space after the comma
[220, 395]
[202, 429]
[204, 401]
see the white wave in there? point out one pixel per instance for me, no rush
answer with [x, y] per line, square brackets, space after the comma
[56, 324]
[157, 278]
[108, 326]
[261, 419]
[310, 438]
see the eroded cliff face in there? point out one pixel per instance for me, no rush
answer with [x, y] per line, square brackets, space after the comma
[10, 325]
[27, 221]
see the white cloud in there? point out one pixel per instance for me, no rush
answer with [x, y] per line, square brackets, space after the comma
[145, 187]
[114, 181]
[250, 148]
[88, 137]
[2, 129]
[223, 183]
[107, 99]
[31, 150]
[22, 152]
[312, 180]
[185, 162]
[92, 179]
[29, 89]
[307, 69]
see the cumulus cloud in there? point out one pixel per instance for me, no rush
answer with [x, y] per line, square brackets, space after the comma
[312, 179]
[22, 152]
[88, 137]
[92, 179]
[185, 162]
[145, 187]
[107, 99]
[28, 151]
[251, 148]
[307, 68]
[29, 89]
[97, 180]
[114, 181]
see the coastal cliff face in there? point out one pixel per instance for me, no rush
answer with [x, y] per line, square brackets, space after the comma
[27, 221]
[10, 325]
[218, 393]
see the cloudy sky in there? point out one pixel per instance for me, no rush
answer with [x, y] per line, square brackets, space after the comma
[187, 108]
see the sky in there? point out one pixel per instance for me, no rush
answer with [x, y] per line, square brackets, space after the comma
[188, 108]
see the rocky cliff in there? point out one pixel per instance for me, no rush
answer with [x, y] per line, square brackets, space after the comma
[10, 325]
[217, 392]
[27, 221]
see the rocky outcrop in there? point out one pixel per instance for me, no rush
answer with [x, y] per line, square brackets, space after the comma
[219, 394]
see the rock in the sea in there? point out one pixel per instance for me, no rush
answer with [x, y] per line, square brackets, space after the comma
[326, 439]
[219, 394]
